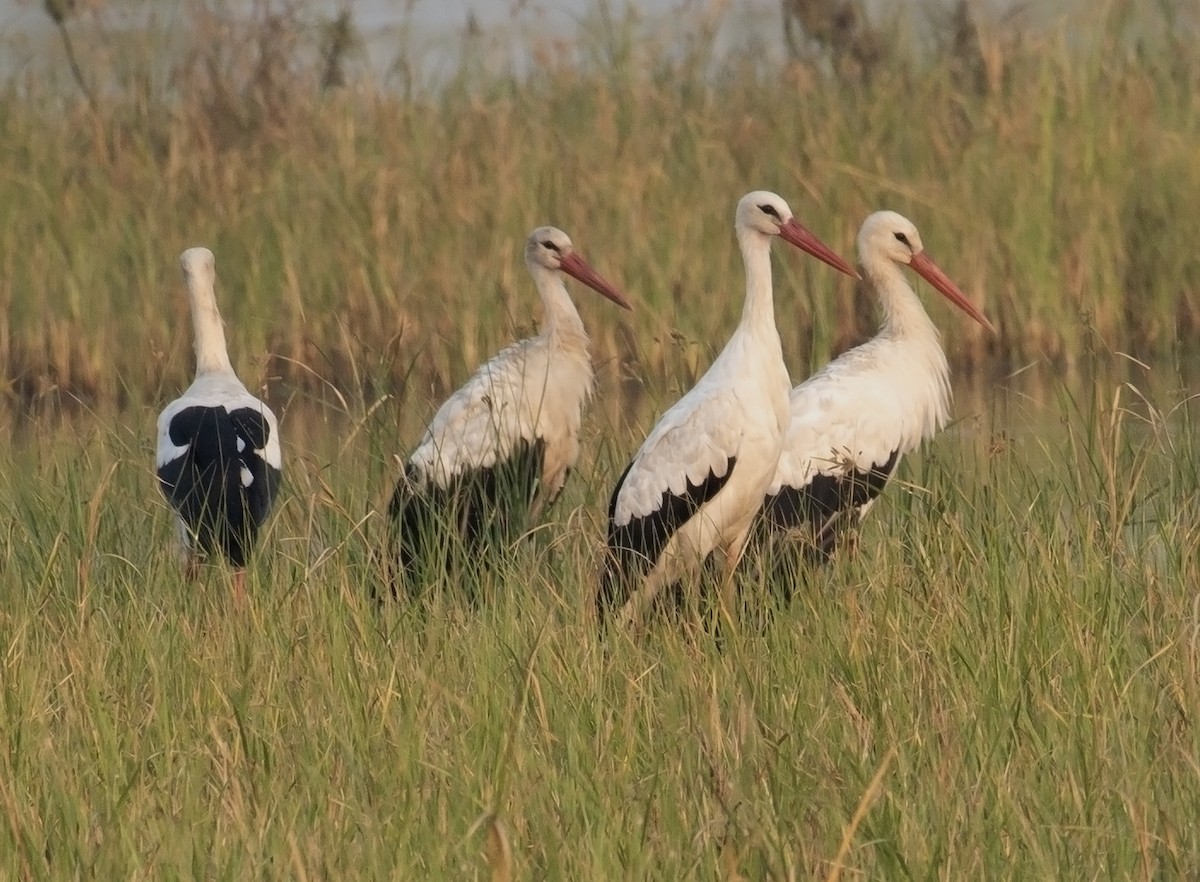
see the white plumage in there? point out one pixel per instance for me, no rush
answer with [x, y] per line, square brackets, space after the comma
[501, 447]
[853, 420]
[696, 482]
[534, 389]
[218, 457]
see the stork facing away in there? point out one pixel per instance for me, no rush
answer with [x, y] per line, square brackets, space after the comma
[499, 450]
[700, 476]
[218, 459]
[853, 420]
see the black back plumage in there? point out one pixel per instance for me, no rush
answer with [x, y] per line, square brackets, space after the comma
[818, 510]
[478, 513]
[633, 548]
[205, 484]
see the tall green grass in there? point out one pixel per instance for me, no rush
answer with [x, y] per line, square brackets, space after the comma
[1001, 684]
[372, 236]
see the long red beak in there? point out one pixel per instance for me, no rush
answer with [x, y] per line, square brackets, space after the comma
[797, 234]
[928, 270]
[577, 268]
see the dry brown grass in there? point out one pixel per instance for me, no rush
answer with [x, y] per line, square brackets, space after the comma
[371, 238]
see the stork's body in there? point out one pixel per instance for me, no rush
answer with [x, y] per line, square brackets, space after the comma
[499, 450]
[695, 484]
[218, 459]
[854, 420]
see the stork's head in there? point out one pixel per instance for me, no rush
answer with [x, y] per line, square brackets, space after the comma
[198, 265]
[546, 247]
[766, 213]
[888, 236]
[550, 248]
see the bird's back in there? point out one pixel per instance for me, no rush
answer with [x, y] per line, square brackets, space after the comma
[218, 465]
[485, 418]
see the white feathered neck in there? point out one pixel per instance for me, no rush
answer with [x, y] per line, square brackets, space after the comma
[199, 273]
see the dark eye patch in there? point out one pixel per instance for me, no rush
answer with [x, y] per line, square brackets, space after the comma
[769, 209]
[548, 244]
[903, 238]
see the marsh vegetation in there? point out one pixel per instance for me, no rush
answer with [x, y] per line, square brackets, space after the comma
[1003, 681]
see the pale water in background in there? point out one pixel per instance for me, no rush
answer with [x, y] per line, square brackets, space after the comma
[429, 36]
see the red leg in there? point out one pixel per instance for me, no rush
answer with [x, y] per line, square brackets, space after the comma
[239, 589]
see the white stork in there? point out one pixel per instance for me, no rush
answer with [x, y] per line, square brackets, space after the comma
[499, 450]
[853, 420]
[219, 462]
[700, 476]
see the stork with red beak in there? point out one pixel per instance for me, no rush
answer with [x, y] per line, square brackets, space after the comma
[700, 476]
[853, 420]
[499, 450]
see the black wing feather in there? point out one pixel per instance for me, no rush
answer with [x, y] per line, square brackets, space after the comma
[819, 505]
[251, 426]
[634, 548]
[479, 511]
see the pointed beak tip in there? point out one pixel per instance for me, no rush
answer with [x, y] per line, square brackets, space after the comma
[579, 269]
[930, 272]
[613, 295]
[797, 234]
[848, 269]
[609, 292]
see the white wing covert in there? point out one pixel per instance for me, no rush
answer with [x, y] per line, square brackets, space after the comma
[845, 418]
[481, 423]
[692, 441]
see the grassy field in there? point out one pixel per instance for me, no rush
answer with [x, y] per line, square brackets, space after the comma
[1004, 683]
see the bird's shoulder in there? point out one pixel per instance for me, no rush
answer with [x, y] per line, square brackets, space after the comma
[851, 413]
[216, 390]
[483, 418]
[688, 445]
[496, 382]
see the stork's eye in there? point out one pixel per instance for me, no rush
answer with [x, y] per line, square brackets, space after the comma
[548, 244]
[771, 210]
[903, 238]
